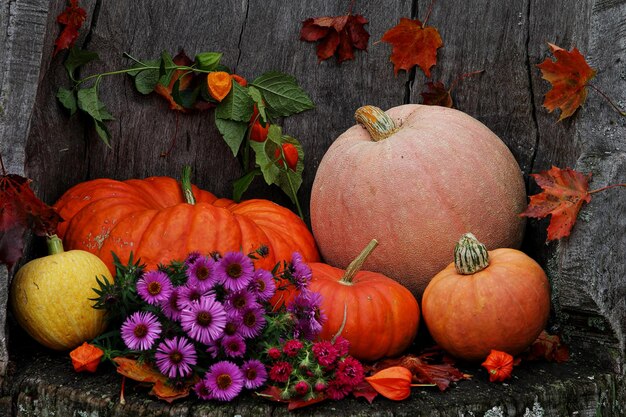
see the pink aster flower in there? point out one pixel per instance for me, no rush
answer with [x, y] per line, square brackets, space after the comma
[140, 330]
[235, 271]
[325, 352]
[252, 322]
[204, 320]
[225, 380]
[281, 371]
[234, 346]
[254, 373]
[174, 357]
[292, 347]
[349, 372]
[201, 273]
[154, 287]
[262, 285]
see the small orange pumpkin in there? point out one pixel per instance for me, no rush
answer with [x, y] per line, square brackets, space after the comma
[377, 315]
[486, 300]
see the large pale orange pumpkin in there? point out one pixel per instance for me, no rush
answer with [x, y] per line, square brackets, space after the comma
[486, 300]
[416, 177]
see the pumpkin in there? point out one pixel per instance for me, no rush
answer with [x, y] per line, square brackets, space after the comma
[417, 177]
[50, 297]
[486, 300]
[377, 315]
[159, 220]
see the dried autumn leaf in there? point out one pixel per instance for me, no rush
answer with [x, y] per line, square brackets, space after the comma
[72, 18]
[564, 192]
[413, 44]
[499, 365]
[21, 210]
[435, 94]
[548, 347]
[569, 74]
[180, 59]
[86, 357]
[143, 372]
[272, 392]
[393, 382]
[339, 35]
[365, 390]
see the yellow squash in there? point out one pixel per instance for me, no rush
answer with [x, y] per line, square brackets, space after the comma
[50, 297]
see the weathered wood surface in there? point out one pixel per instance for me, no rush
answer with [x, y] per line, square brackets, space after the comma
[506, 39]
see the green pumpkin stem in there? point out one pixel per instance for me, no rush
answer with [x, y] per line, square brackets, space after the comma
[55, 245]
[357, 263]
[378, 123]
[470, 256]
[185, 182]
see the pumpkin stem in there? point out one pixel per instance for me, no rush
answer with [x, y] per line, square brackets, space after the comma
[357, 263]
[378, 123]
[470, 256]
[55, 245]
[185, 182]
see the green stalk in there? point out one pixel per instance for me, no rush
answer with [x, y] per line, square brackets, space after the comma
[185, 182]
[55, 245]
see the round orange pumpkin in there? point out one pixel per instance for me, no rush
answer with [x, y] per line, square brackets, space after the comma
[377, 315]
[417, 177]
[155, 219]
[486, 300]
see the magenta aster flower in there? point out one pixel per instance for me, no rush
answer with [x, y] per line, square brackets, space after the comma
[252, 322]
[240, 300]
[188, 294]
[292, 347]
[174, 357]
[204, 320]
[201, 273]
[281, 371]
[336, 390]
[324, 352]
[302, 387]
[235, 271]
[225, 380]
[262, 285]
[170, 306]
[202, 390]
[254, 373]
[140, 330]
[274, 353]
[234, 346]
[154, 287]
[342, 345]
[349, 372]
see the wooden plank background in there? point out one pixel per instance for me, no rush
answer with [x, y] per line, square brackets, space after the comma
[505, 39]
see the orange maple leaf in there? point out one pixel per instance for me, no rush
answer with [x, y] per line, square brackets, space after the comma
[413, 44]
[569, 74]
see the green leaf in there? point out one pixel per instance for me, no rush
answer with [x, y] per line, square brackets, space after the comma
[237, 105]
[77, 58]
[233, 132]
[151, 64]
[103, 132]
[264, 161]
[146, 80]
[208, 61]
[185, 98]
[242, 184]
[166, 68]
[67, 99]
[89, 102]
[282, 94]
[260, 105]
[290, 181]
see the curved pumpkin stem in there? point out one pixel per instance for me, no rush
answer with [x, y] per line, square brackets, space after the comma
[357, 263]
[378, 123]
[470, 256]
[185, 182]
[55, 245]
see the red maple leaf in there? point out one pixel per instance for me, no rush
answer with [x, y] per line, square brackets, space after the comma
[413, 44]
[564, 192]
[569, 75]
[72, 18]
[339, 35]
[21, 210]
[436, 94]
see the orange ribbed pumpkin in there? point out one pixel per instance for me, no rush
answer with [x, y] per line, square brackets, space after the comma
[486, 300]
[417, 178]
[377, 315]
[152, 219]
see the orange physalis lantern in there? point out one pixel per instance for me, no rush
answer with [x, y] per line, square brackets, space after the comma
[393, 382]
[499, 365]
[219, 84]
[86, 357]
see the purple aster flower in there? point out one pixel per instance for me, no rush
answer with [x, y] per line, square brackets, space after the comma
[213, 349]
[240, 300]
[235, 271]
[252, 322]
[254, 373]
[309, 317]
[225, 380]
[234, 346]
[204, 320]
[233, 322]
[192, 256]
[154, 287]
[189, 294]
[300, 271]
[202, 390]
[201, 273]
[140, 330]
[170, 307]
[262, 285]
[174, 357]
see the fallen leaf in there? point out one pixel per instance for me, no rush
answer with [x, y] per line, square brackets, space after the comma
[569, 74]
[180, 59]
[72, 18]
[499, 365]
[393, 382]
[413, 44]
[548, 347]
[365, 390]
[564, 192]
[86, 357]
[436, 94]
[21, 210]
[337, 35]
[144, 372]
[272, 392]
